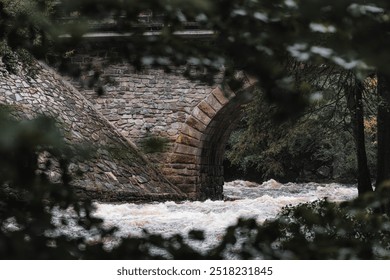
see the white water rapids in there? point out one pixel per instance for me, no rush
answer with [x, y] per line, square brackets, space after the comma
[213, 217]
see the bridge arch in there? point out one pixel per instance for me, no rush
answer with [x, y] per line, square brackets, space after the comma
[195, 164]
[194, 118]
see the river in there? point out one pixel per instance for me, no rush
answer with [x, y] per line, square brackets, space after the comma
[259, 201]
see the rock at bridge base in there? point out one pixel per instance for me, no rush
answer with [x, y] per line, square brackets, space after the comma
[116, 171]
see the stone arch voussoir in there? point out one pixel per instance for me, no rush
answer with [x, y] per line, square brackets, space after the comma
[195, 164]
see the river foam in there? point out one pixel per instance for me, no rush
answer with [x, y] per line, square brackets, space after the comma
[246, 199]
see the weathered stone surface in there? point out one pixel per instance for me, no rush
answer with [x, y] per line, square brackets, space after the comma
[220, 96]
[187, 140]
[190, 189]
[117, 171]
[154, 103]
[194, 118]
[207, 109]
[200, 115]
[189, 150]
[182, 180]
[189, 131]
[180, 158]
[195, 123]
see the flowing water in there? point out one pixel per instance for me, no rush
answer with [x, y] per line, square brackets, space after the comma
[251, 200]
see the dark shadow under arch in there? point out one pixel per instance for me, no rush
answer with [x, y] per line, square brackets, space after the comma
[216, 137]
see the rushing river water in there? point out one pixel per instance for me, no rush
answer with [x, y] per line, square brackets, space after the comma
[259, 201]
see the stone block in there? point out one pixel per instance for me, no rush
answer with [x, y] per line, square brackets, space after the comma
[207, 109]
[213, 102]
[200, 115]
[181, 158]
[189, 189]
[172, 132]
[220, 96]
[169, 171]
[187, 140]
[188, 150]
[182, 180]
[18, 97]
[111, 176]
[187, 172]
[192, 132]
[195, 123]
[176, 180]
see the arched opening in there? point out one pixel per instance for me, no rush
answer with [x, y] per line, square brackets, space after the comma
[216, 136]
[196, 163]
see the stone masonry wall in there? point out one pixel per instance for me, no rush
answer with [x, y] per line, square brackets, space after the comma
[117, 171]
[143, 103]
[195, 118]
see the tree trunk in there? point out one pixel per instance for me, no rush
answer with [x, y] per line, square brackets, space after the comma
[383, 119]
[355, 106]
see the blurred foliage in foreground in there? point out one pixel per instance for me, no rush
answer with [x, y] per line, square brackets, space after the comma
[255, 36]
[29, 229]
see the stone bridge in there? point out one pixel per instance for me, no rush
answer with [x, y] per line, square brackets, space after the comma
[190, 121]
